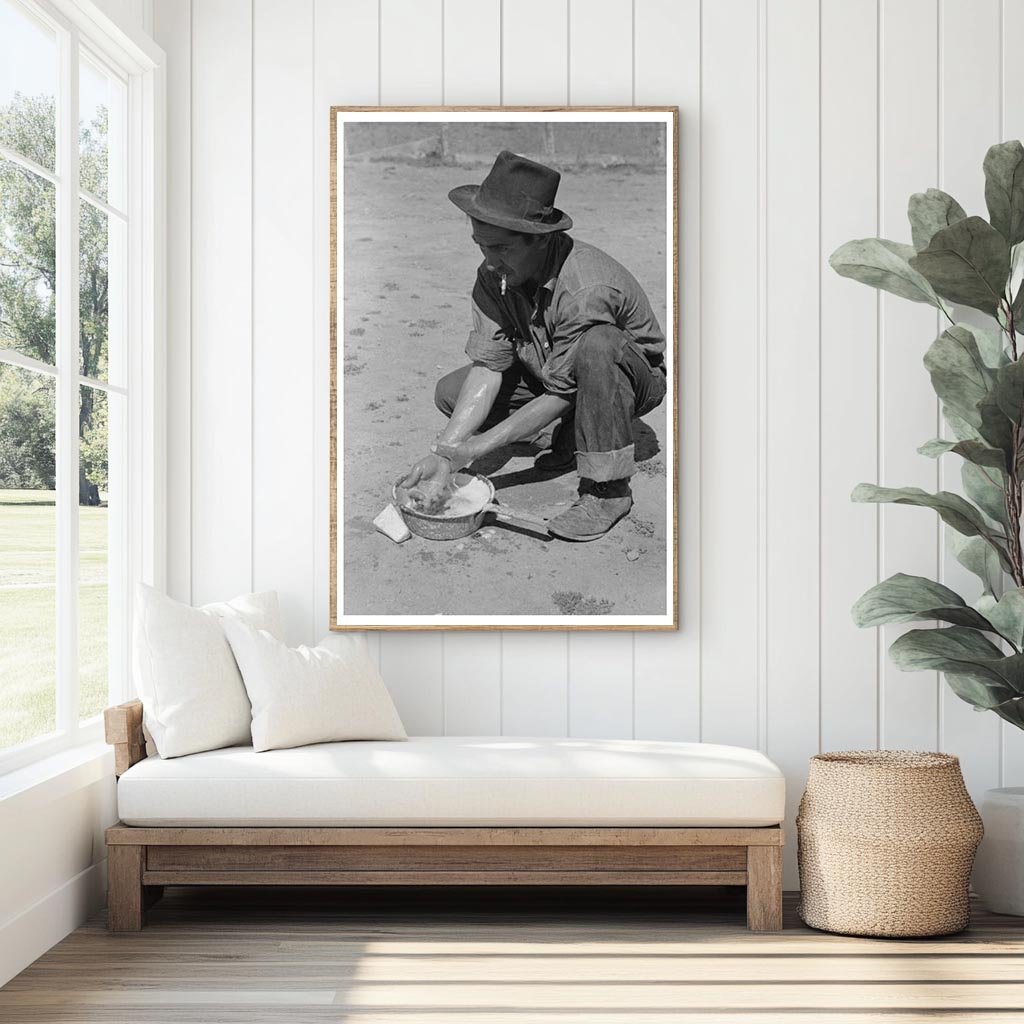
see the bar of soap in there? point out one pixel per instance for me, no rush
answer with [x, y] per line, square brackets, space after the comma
[392, 525]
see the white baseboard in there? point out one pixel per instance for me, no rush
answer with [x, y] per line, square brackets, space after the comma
[28, 936]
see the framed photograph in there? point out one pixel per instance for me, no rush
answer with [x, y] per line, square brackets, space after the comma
[504, 358]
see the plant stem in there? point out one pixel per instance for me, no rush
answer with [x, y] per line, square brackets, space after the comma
[1012, 497]
[1013, 510]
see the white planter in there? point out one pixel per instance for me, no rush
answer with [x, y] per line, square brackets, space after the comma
[998, 877]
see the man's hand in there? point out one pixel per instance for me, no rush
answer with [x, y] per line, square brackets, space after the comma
[427, 481]
[461, 454]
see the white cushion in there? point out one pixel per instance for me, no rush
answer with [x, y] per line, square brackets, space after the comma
[191, 691]
[309, 694]
[456, 780]
[344, 643]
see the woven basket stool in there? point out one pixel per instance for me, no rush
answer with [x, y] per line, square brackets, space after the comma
[885, 843]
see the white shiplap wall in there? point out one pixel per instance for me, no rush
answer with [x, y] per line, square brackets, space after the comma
[804, 123]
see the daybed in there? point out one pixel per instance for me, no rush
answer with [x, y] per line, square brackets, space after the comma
[444, 811]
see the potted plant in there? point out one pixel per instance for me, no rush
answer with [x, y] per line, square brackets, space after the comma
[978, 374]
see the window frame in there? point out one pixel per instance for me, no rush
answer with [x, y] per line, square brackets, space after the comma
[139, 63]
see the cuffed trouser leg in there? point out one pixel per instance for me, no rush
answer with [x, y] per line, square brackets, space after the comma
[615, 383]
[517, 388]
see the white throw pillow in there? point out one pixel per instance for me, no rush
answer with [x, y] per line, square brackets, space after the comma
[309, 694]
[192, 693]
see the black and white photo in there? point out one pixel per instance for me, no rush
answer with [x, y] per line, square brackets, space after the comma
[504, 355]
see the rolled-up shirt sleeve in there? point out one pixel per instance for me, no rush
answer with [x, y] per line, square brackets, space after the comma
[575, 315]
[489, 343]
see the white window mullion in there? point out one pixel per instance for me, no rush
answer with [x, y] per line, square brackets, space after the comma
[67, 386]
[111, 211]
[132, 448]
[12, 358]
[30, 165]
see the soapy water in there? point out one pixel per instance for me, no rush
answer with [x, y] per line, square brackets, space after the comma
[465, 499]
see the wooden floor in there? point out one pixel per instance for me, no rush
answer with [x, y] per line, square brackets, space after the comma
[219, 956]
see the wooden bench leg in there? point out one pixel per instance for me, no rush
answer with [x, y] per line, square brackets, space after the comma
[764, 888]
[125, 897]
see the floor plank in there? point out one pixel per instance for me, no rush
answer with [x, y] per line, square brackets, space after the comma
[496, 956]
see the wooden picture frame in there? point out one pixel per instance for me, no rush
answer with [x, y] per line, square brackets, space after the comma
[402, 265]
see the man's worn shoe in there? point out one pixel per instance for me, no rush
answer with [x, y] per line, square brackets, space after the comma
[598, 508]
[561, 456]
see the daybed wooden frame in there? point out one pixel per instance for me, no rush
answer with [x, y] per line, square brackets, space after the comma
[142, 860]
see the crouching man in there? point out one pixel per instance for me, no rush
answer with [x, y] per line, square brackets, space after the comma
[561, 332]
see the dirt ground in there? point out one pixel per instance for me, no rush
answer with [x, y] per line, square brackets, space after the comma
[408, 269]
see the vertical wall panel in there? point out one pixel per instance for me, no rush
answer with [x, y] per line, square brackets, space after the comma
[410, 52]
[346, 72]
[472, 684]
[601, 684]
[173, 30]
[667, 665]
[729, 358]
[472, 52]
[128, 14]
[535, 65]
[600, 666]
[472, 661]
[1012, 116]
[347, 52]
[221, 371]
[1010, 108]
[909, 414]
[968, 125]
[600, 65]
[535, 680]
[535, 70]
[792, 385]
[849, 373]
[413, 668]
[411, 73]
[284, 341]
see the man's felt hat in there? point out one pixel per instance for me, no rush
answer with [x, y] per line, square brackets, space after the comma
[517, 194]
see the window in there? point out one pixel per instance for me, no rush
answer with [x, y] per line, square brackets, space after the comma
[78, 265]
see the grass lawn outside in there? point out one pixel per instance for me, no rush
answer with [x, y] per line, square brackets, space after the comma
[28, 613]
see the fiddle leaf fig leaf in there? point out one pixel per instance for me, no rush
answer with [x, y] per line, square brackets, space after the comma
[981, 693]
[962, 430]
[976, 555]
[973, 451]
[967, 263]
[1006, 614]
[1009, 390]
[958, 371]
[996, 428]
[903, 598]
[883, 264]
[936, 447]
[990, 345]
[1016, 281]
[1004, 189]
[1017, 309]
[952, 509]
[984, 486]
[1011, 710]
[1015, 285]
[962, 651]
[929, 212]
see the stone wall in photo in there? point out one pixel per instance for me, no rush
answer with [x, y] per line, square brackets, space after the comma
[565, 146]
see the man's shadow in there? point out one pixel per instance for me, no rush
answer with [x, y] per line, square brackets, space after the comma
[644, 438]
